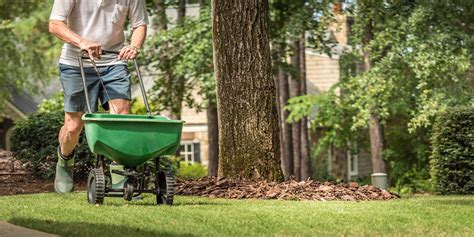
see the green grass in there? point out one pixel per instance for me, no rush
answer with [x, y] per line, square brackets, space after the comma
[71, 215]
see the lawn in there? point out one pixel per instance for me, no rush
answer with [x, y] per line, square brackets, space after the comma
[71, 215]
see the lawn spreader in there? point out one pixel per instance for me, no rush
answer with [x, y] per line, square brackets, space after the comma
[133, 143]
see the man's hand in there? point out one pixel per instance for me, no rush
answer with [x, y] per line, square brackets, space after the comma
[94, 49]
[128, 52]
[60, 30]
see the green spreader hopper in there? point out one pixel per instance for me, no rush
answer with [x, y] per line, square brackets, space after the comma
[132, 140]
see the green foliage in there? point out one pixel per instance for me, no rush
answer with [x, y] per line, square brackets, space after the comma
[419, 68]
[452, 159]
[191, 171]
[182, 52]
[28, 51]
[328, 112]
[408, 156]
[419, 64]
[35, 143]
[53, 104]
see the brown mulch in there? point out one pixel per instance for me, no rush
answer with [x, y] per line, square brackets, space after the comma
[288, 190]
[26, 184]
[23, 184]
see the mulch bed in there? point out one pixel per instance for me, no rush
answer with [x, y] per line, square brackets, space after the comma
[229, 189]
[23, 184]
[26, 184]
[288, 190]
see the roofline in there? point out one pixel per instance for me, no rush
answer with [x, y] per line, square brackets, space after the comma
[15, 109]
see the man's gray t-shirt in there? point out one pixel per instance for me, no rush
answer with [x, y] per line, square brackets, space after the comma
[100, 21]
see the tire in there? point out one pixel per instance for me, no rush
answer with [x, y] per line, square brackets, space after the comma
[165, 188]
[128, 191]
[96, 186]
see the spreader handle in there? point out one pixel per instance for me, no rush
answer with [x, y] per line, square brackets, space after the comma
[84, 55]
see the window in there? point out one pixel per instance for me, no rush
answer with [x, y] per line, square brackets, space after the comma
[352, 164]
[190, 152]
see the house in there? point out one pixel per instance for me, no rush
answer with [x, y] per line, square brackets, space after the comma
[18, 107]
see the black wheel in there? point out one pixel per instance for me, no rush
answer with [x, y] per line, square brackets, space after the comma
[128, 191]
[96, 186]
[165, 188]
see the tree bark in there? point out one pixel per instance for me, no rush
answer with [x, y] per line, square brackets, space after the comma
[162, 23]
[202, 3]
[181, 11]
[213, 138]
[286, 146]
[295, 90]
[180, 80]
[305, 149]
[247, 113]
[379, 165]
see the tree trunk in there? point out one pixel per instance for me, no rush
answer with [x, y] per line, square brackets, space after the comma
[162, 22]
[379, 165]
[286, 146]
[305, 149]
[180, 80]
[181, 11]
[295, 90]
[202, 3]
[247, 113]
[213, 138]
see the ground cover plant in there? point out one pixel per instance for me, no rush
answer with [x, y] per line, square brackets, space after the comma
[71, 215]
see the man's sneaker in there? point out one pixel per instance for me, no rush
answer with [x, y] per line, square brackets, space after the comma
[64, 180]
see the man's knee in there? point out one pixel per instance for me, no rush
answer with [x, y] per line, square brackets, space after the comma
[119, 106]
[73, 123]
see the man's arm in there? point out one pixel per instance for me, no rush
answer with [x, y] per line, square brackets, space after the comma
[60, 30]
[138, 37]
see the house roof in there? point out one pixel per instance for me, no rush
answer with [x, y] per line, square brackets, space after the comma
[22, 101]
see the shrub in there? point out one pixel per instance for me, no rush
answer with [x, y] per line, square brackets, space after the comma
[35, 140]
[452, 158]
[191, 171]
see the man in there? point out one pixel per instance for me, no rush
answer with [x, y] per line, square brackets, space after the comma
[93, 26]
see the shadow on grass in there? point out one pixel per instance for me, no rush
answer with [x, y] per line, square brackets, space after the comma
[65, 228]
[175, 204]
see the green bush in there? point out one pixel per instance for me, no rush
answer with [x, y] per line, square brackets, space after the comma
[452, 159]
[35, 140]
[191, 171]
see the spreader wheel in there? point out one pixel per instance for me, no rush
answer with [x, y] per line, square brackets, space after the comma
[96, 186]
[128, 191]
[165, 183]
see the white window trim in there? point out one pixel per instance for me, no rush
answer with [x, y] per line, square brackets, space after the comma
[351, 158]
[185, 153]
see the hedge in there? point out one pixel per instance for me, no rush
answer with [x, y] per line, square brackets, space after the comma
[452, 158]
[35, 140]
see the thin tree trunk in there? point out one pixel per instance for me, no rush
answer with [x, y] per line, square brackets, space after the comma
[379, 165]
[248, 119]
[180, 80]
[295, 90]
[162, 23]
[213, 139]
[202, 4]
[305, 149]
[285, 128]
[181, 11]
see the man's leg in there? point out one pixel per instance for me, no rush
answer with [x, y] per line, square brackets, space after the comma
[119, 106]
[68, 139]
[70, 132]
